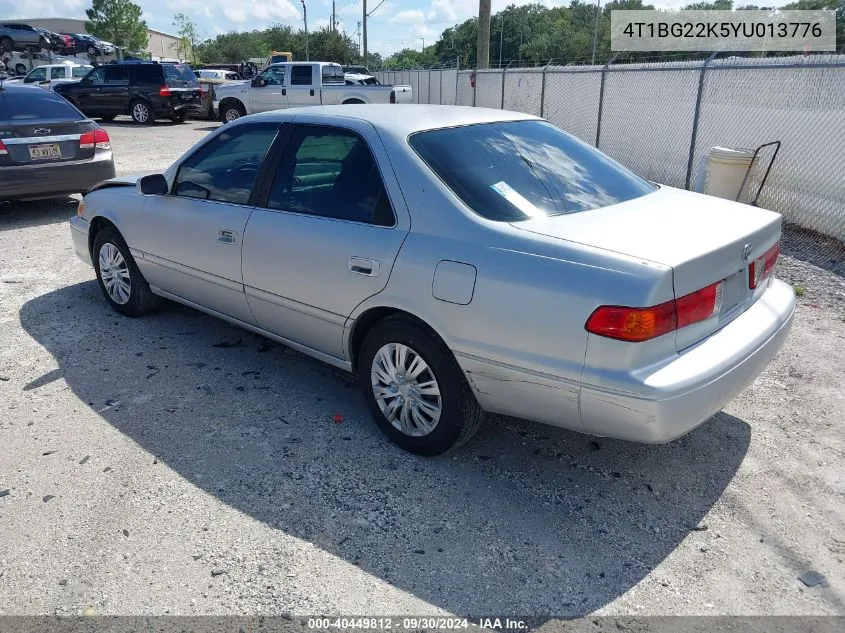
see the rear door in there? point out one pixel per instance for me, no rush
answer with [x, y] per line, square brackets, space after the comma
[324, 238]
[302, 90]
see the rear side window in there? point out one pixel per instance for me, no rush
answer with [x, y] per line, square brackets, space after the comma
[23, 105]
[330, 172]
[517, 170]
[117, 75]
[57, 73]
[300, 76]
[148, 74]
[225, 168]
[79, 72]
[333, 75]
[179, 76]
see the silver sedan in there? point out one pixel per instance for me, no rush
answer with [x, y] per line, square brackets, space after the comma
[459, 260]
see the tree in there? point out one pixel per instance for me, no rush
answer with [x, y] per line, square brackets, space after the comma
[188, 36]
[119, 22]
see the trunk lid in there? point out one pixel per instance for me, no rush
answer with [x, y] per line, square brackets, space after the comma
[37, 142]
[704, 239]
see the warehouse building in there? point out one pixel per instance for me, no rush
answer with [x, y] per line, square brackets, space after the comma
[160, 46]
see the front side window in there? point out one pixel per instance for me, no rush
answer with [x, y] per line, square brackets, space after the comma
[38, 74]
[225, 168]
[300, 76]
[517, 170]
[274, 76]
[330, 172]
[98, 76]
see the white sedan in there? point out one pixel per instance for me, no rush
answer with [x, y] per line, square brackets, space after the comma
[459, 260]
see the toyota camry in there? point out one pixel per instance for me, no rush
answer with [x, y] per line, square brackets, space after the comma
[459, 261]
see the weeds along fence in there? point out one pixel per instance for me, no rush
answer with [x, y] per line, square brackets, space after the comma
[661, 119]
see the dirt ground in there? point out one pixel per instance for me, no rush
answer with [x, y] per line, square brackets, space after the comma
[176, 464]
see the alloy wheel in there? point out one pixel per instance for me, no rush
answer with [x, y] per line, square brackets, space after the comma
[140, 112]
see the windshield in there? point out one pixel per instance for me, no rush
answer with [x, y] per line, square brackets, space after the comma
[524, 169]
[179, 75]
[23, 105]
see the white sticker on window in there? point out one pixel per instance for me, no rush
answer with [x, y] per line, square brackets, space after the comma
[517, 199]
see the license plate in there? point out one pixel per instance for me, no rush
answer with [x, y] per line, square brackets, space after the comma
[734, 291]
[40, 152]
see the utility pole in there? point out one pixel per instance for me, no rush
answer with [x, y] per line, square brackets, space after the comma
[423, 42]
[483, 46]
[596, 29]
[501, 31]
[305, 20]
[365, 32]
[359, 36]
[334, 20]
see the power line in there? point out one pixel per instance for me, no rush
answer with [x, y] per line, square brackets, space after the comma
[376, 8]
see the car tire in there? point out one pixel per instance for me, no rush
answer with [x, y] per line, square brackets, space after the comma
[231, 112]
[112, 263]
[141, 112]
[6, 45]
[447, 393]
[92, 50]
[179, 118]
[20, 69]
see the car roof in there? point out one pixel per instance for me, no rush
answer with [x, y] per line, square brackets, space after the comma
[401, 120]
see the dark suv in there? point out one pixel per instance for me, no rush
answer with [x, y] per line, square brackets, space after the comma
[144, 90]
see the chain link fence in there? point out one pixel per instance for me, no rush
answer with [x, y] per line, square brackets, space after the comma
[662, 119]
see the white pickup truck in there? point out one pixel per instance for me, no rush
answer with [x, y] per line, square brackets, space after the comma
[297, 84]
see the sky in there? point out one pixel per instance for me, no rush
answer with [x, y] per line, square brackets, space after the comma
[394, 25]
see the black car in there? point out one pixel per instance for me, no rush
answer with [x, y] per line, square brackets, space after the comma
[85, 44]
[48, 148]
[144, 90]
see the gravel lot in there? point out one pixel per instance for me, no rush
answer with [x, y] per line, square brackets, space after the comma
[176, 464]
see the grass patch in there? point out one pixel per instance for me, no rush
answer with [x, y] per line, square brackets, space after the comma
[799, 290]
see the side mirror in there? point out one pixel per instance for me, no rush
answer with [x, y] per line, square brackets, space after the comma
[258, 82]
[154, 185]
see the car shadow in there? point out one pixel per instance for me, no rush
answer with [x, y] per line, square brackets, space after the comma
[814, 248]
[22, 215]
[526, 519]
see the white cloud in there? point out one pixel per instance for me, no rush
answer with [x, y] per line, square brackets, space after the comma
[238, 15]
[409, 16]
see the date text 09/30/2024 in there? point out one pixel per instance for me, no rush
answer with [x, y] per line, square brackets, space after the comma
[412, 623]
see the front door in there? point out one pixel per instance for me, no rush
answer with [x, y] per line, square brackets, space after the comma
[271, 96]
[191, 239]
[326, 237]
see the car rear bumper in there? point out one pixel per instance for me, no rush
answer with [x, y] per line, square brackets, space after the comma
[675, 398]
[55, 179]
[657, 405]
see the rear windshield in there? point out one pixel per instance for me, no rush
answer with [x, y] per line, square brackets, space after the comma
[525, 169]
[25, 105]
[178, 76]
[80, 71]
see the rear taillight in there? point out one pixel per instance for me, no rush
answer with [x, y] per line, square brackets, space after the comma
[98, 139]
[3, 150]
[642, 324]
[164, 91]
[760, 269]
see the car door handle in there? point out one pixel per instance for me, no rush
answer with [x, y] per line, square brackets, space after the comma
[312, 93]
[225, 236]
[284, 92]
[364, 266]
